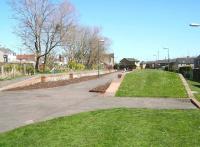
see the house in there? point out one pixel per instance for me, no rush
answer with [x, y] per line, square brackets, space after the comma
[26, 58]
[7, 55]
[175, 64]
[61, 60]
[150, 64]
[197, 62]
[162, 63]
[108, 61]
[129, 63]
[143, 65]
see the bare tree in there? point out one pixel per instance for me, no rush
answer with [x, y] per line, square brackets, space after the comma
[42, 25]
[82, 45]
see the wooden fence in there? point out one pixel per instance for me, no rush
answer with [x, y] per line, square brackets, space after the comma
[196, 75]
[12, 70]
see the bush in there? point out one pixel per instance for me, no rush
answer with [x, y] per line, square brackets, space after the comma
[116, 66]
[76, 66]
[186, 71]
[8, 67]
[30, 69]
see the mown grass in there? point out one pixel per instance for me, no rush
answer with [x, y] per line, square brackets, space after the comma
[152, 83]
[195, 86]
[110, 128]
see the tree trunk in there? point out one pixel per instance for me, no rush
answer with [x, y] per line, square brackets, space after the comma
[37, 64]
[45, 61]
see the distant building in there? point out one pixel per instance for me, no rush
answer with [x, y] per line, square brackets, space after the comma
[61, 60]
[143, 65]
[108, 60]
[175, 64]
[129, 63]
[197, 62]
[150, 64]
[7, 55]
[161, 63]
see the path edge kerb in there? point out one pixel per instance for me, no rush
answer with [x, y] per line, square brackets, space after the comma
[189, 92]
[54, 77]
[114, 86]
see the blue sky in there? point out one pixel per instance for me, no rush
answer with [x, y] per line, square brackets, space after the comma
[137, 28]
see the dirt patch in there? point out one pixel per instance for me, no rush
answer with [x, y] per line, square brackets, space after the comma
[101, 88]
[55, 83]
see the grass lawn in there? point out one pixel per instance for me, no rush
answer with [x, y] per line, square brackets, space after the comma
[195, 86]
[115, 127]
[152, 83]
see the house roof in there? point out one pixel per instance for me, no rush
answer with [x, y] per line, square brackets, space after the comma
[112, 55]
[162, 61]
[149, 62]
[26, 57]
[109, 55]
[131, 59]
[186, 60]
[7, 51]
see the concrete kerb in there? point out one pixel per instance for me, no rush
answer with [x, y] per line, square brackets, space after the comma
[189, 92]
[30, 81]
[114, 86]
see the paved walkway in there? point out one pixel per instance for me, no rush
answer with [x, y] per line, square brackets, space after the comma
[23, 107]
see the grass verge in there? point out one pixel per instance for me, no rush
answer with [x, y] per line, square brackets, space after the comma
[195, 86]
[115, 127]
[152, 83]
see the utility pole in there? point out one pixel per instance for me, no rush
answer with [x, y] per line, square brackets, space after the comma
[168, 56]
[158, 54]
[99, 41]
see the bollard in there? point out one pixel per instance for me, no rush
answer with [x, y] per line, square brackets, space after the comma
[119, 76]
[71, 76]
[43, 79]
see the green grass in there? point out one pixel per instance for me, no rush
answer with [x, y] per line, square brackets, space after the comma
[195, 86]
[152, 83]
[110, 128]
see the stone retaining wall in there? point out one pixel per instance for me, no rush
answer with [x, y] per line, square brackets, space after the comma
[52, 77]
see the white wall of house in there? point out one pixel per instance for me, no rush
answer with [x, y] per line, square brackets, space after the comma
[182, 65]
[1, 57]
[12, 57]
[108, 60]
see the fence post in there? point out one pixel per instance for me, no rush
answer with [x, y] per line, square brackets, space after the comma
[2, 70]
[14, 70]
[24, 69]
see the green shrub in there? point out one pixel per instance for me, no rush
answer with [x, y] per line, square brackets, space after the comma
[186, 71]
[8, 67]
[30, 69]
[76, 66]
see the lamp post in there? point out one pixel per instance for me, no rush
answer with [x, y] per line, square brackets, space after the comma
[168, 56]
[99, 41]
[155, 60]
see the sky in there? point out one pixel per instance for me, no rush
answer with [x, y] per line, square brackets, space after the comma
[138, 28]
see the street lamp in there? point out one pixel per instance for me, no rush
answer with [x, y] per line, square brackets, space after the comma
[168, 56]
[155, 60]
[99, 41]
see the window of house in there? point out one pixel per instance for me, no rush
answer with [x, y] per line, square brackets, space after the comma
[5, 57]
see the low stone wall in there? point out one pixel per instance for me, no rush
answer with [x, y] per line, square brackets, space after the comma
[53, 77]
[26, 82]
